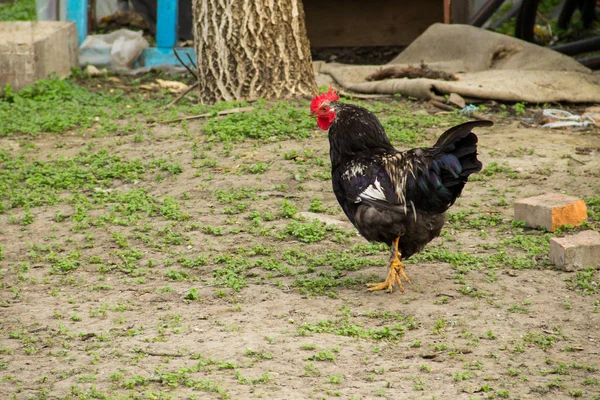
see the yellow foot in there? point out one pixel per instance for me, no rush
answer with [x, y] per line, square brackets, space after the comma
[396, 272]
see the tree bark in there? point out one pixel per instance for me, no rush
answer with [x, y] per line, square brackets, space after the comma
[250, 49]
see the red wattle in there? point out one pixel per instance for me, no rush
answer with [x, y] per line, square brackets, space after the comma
[323, 123]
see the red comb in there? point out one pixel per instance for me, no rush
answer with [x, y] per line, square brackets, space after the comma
[330, 96]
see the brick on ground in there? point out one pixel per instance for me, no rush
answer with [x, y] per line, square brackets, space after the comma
[576, 252]
[551, 211]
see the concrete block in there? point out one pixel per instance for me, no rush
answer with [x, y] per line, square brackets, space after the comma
[551, 211]
[33, 50]
[576, 252]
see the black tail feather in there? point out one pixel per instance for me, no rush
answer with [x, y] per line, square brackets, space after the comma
[458, 132]
[458, 144]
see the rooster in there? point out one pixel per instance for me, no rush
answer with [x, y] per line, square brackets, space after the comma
[395, 197]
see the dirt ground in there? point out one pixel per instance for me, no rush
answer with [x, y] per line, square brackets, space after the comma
[242, 298]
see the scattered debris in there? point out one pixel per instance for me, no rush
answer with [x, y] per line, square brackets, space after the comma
[447, 107]
[422, 71]
[182, 95]
[119, 49]
[93, 71]
[554, 118]
[220, 113]
[172, 86]
[457, 100]
[124, 19]
[588, 151]
[593, 113]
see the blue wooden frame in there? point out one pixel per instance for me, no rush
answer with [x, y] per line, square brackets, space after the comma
[166, 32]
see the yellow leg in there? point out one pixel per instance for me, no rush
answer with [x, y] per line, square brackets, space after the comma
[396, 271]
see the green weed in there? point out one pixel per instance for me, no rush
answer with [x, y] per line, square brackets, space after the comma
[279, 121]
[309, 232]
[288, 209]
[344, 327]
[20, 10]
[585, 282]
[324, 355]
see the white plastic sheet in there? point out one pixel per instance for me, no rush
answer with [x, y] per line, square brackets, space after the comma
[119, 49]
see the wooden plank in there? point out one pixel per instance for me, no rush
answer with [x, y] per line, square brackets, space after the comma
[153, 56]
[166, 23]
[335, 23]
[461, 11]
[76, 11]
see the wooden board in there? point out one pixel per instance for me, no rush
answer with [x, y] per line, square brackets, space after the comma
[335, 23]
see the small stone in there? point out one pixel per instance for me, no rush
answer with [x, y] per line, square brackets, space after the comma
[576, 252]
[457, 100]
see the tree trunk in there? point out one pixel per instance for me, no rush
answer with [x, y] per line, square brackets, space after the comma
[250, 49]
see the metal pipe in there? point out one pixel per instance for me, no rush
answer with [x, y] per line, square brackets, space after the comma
[485, 12]
[592, 62]
[506, 17]
[578, 47]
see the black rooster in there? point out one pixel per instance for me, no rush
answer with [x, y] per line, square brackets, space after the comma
[399, 198]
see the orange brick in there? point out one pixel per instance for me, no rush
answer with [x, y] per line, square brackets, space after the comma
[551, 211]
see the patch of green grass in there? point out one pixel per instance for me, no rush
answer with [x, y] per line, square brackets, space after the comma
[407, 128]
[171, 210]
[193, 262]
[519, 108]
[335, 379]
[311, 369]
[242, 380]
[279, 121]
[306, 232]
[585, 282]
[31, 184]
[33, 109]
[233, 195]
[287, 209]
[534, 244]
[345, 327]
[540, 339]
[232, 271]
[323, 355]
[64, 265]
[255, 168]
[259, 355]
[325, 284]
[177, 275]
[316, 206]
[593, 208]
[465, 262]
[461, 376]
[492, 170]
[18, 10]
[515, 308]
[192, 295]
[338, 260]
